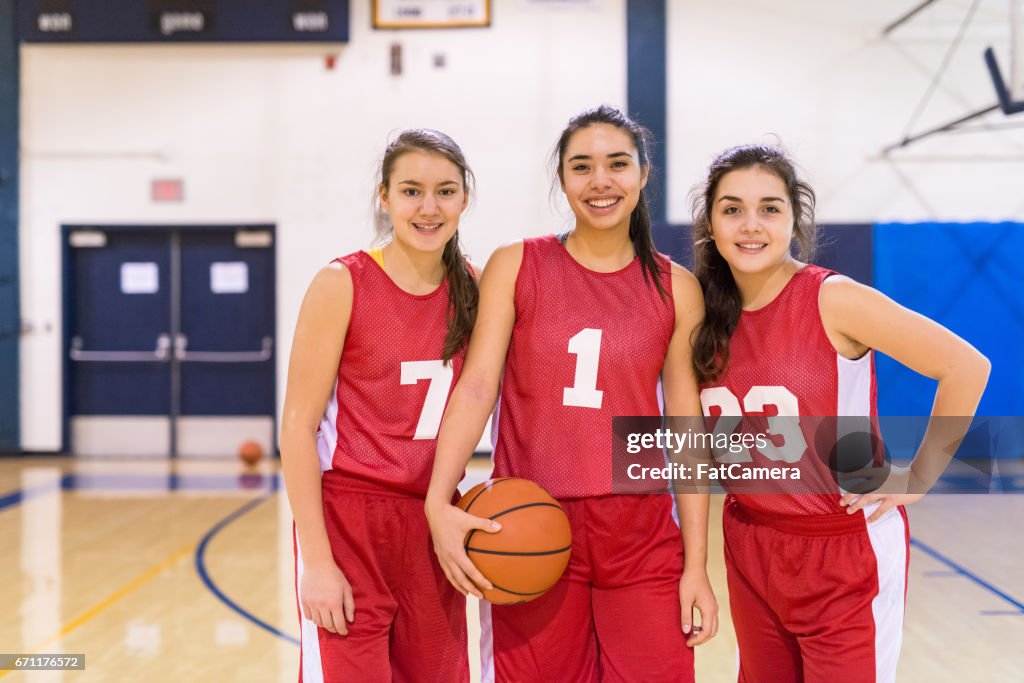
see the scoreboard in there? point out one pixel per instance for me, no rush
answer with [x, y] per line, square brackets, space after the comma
[175, 21]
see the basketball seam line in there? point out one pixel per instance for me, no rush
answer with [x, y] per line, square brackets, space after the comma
[494, 482]
[523, 507]
[469, 536]
[518, 553]
[497, 587]
[485, 489]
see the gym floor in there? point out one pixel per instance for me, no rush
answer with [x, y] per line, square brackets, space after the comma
[182, 570]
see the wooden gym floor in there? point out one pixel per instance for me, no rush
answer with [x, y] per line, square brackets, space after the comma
[182, 571]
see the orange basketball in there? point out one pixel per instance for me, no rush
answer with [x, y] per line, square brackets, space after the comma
[531, 551]
[250, 452]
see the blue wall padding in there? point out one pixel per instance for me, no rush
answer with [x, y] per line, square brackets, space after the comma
[967, 277]
[846, 248]
[646, 87]
[675, 241]
[10, 317]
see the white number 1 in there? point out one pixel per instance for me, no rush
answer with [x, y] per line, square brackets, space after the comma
[440, 376]
[586, 346]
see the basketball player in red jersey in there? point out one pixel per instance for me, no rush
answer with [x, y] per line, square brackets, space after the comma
[578, 328]
[817, 580]
[378, 345]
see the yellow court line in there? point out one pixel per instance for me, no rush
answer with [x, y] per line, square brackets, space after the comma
[125, 590]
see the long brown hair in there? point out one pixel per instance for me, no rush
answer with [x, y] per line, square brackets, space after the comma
[640, 218]
[463, 293]
[722, 302]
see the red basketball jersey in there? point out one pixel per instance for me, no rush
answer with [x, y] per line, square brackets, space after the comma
[586, 347]
[781, 363]
[382, 419]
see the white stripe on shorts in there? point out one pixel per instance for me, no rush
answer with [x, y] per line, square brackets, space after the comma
[889, 541]
[486, 643]
[312, 664]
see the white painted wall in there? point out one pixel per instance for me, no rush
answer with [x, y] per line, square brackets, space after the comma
[819, 76]
[269, 134]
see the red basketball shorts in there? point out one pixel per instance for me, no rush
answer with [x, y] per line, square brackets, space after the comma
[614, 614]
[410, 623]
[816, 599]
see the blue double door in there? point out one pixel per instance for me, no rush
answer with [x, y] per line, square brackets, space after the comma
[169, 339]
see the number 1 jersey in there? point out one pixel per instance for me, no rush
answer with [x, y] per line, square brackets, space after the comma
[586, 347]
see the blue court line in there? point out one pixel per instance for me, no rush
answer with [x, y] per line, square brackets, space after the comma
[243, 481]
[967, 574]
[170, 482]
[21, 495]
[208, 582]
[11, 499]
[67, 482]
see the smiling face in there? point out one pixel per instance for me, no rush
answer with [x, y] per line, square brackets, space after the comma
[602, 176]
[752, 220]
[424, 197]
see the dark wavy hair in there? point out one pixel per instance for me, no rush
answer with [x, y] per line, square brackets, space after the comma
[721, 296]
[463, 293]
[640, 218]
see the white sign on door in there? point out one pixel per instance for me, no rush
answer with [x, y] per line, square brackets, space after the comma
[229, 277]
[140, 278]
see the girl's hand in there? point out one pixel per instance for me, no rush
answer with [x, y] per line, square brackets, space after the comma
[898, 489]
[327, 597]
[695, 593]
[448, 527]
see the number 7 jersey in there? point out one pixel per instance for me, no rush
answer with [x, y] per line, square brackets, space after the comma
[586, 347]
[380, 425]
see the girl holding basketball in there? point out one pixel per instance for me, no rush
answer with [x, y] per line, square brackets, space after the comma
[578, 328]
[817, 578]
[378, 345]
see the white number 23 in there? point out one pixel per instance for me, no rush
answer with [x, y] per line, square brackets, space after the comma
[785, 424]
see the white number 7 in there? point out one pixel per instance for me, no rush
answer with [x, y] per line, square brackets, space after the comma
[440, 376]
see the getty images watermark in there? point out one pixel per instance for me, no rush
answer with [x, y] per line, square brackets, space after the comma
[726, 446]
[817, 455]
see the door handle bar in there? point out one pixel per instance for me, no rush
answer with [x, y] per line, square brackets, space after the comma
[160, 354]
[182, 354]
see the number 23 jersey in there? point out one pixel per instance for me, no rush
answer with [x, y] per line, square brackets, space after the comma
[586, 347]
[785, 376]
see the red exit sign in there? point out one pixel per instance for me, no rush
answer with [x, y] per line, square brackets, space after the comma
[167, 190]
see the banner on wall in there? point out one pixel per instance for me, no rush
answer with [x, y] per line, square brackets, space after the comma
[164, 21]
[389, 14]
